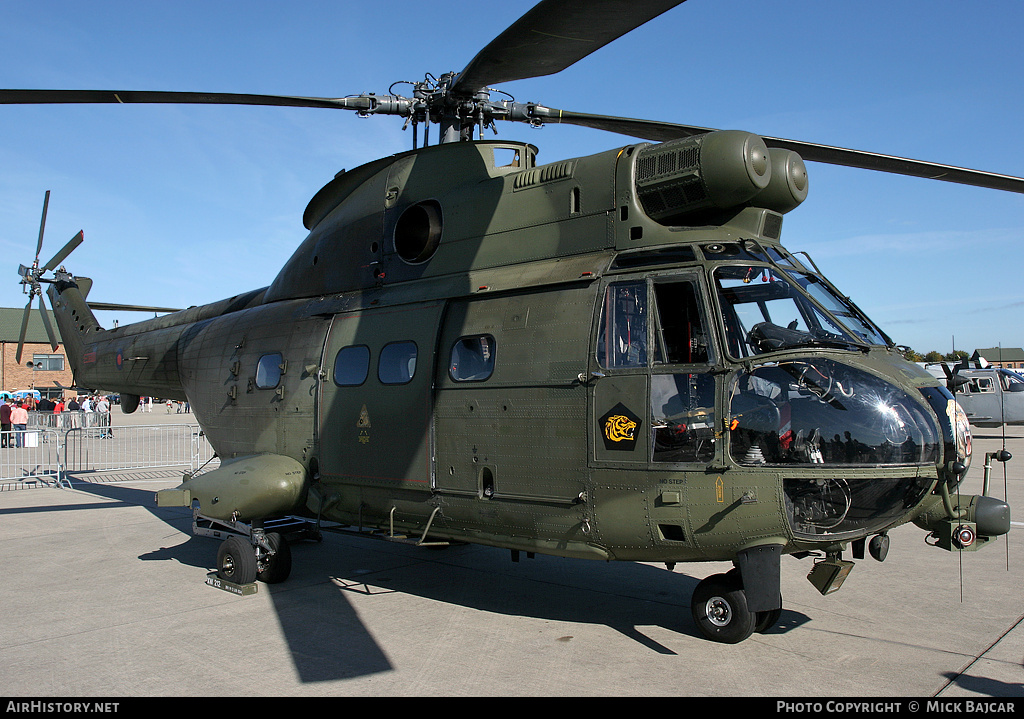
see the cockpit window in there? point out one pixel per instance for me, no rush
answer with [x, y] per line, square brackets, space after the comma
[622, 334]
[681, 334]
[763, 311]
[818, 411]
[680, 330]
[815, 412]
[781, 257]
[841, 308]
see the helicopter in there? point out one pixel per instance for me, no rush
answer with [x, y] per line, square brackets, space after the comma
[991, 396]
[609, 357]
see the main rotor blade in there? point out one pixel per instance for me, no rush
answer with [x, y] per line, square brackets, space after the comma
[552, 36]
[37, 97]
[130, 308]
[813, 152]
[654, 130]
[66, 250]
[898, 165]
[46, 323]
[24, 330]
[42, 224]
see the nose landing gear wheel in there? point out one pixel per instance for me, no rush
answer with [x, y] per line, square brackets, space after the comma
[767, 620]
[719, 608]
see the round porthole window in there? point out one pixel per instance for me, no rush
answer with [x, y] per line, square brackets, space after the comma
[418, 232]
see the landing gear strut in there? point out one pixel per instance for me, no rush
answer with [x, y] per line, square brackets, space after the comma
[266, 557]
[257, 551]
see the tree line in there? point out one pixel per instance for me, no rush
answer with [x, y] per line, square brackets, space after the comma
[935, 356]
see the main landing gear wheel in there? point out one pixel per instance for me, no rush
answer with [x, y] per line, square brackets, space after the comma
[719, 607]
[767, 620]
[236, 561]
[275, 568]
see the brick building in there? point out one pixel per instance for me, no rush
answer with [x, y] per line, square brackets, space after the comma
[1008, 357]
[48, 366]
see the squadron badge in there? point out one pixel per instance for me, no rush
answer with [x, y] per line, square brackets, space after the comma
[620, 428]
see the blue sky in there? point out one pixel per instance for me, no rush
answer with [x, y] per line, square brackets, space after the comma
[185, 205]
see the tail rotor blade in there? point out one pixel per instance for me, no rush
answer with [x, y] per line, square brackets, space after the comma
[24, 329]
[65, 251]
[46, 323]
[42, 225]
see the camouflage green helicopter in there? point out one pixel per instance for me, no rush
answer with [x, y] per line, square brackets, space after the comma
[609, 357]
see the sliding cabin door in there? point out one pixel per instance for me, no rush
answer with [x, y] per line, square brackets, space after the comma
[375, 402]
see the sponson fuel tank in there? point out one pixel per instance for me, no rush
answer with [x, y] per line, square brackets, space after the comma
[242, 488]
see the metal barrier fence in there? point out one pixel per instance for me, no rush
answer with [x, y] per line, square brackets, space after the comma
[67, 420]
[30, 456]
[134, 447]
[49, 454]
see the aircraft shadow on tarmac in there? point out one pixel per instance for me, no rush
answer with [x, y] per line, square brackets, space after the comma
[985, 686]
[316, 618]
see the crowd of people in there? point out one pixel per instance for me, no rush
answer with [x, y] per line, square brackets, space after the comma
[14, 414]
[176, 406]
[13, 419]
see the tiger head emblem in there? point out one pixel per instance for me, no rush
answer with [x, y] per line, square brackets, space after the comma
[619, 428]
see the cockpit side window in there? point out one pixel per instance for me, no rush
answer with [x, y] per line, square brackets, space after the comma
[841, 308]
[681, 334]
[622, 334]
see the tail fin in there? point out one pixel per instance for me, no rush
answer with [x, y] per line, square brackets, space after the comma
[78, 325]
[136, 359]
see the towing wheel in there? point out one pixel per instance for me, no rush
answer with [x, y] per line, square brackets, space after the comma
[274, 568]
[719, 607]
[236, 561]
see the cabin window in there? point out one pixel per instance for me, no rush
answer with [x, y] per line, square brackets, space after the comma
[397, 363]
[351, 365]
[622, 334]
[472, 359]
[268, 371]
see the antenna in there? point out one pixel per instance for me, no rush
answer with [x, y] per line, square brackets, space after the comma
[1002, 415]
